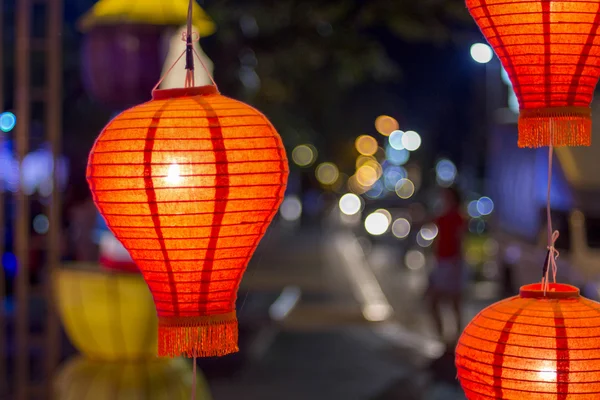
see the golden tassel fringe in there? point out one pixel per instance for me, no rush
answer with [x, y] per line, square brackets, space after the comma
[568, 126]
[206, 336]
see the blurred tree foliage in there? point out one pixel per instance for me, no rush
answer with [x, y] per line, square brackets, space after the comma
[298, 59]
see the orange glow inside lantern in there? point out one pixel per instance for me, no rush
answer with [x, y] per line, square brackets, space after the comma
[189, 183]
[551, 52]
[533, 346]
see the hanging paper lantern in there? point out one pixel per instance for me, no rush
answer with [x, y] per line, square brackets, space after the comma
[107, 316]
[162, 379]
[121, 63]
[151, 12]
[551, 51]
[533, 346]
[189, 183]
[126, 43]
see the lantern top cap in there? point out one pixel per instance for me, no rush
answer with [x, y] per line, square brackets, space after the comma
[162, 94]
[555, 291]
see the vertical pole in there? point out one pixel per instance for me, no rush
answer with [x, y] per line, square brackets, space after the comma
[54, 127]
[21, 229]
[3, 355]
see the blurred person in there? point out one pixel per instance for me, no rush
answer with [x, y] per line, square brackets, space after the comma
[446, 279]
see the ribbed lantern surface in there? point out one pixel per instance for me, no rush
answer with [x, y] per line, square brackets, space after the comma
[551, 52]
[533, 346]
[189, 183]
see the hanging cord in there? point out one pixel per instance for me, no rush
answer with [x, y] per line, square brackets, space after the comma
[189, 50]
[552, 254]
[189, 37]
[194, 378]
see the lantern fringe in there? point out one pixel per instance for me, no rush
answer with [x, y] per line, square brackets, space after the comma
[568, 126]
[204, 336]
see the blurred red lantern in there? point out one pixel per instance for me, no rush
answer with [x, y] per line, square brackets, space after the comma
[533, 346]
[551, 52]
[121, 63]
[189, 183]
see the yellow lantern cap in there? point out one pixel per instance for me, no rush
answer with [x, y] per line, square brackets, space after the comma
[154, 12]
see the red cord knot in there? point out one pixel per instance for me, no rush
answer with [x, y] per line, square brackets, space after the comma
[552, 256]
[195, 36]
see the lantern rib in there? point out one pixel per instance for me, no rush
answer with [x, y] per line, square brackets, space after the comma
[505, 378]
[188, 127]
[188, 214]
[532, 335]
[189, 201]
[179, 139]
[512, 389]
[509, 66]
[521, 357]
[257, 161]
[512, 344]
[585, 54]
[471, 359]
[194, 272]
[511, 3]
[186, 151]
[538, 325]
[187, 238]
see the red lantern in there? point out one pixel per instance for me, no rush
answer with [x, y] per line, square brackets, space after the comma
[533, 346]
[121, 63]
[189, 183]
[551, 52]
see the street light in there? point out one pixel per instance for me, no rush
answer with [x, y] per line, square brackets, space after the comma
[481, 53]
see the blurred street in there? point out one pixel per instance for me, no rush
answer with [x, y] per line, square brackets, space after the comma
[324, 346]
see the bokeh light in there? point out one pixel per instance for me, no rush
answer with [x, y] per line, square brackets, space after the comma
[304, 155]
[376, 191]
[485, 206]
[291, 208]
[387, 214]
[327, 173]
[414, 259]
[411, 140]
[10, 264]
[366, 145]
[401, 228]
[356, 187]
[41, 224]
[395, 140]
[477, 226]
[405, 188]
[350, 204]
[8, 121]
[491, 247]
[421, 241]
[377, 223]
[481, 53]
[392, 175]
[397, 157]
[385, 125]
[429, 231]
[446, 172]
[472, 209]
[367, 175]
[362, 160]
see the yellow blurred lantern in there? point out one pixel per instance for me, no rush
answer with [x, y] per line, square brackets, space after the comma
[153, 12]
[108, 316]
[162, 379]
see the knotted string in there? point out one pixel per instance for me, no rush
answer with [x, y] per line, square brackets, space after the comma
[189, 37]
[552, 253]
[189, 50]
[551, 257]
[194, 378]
